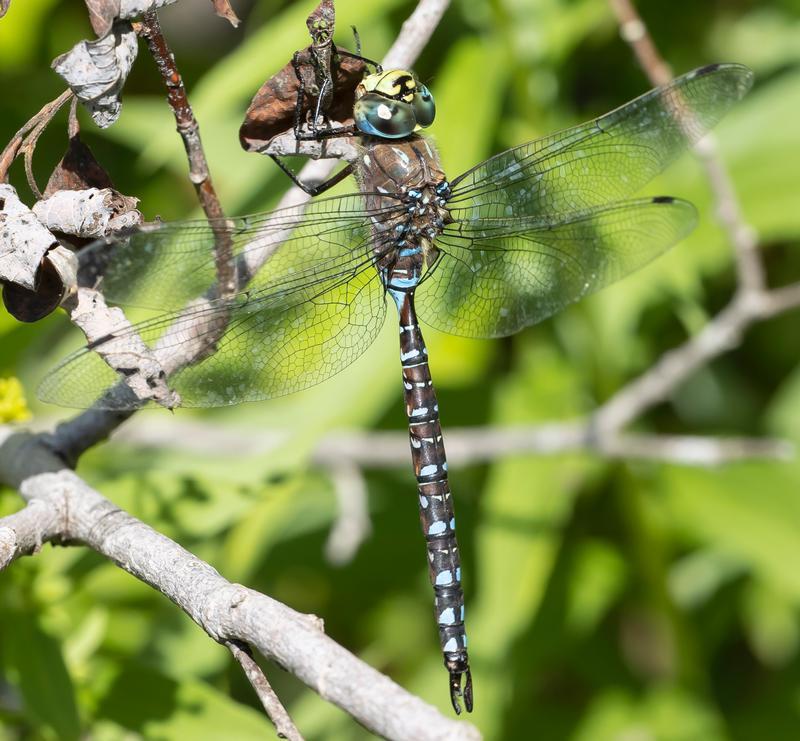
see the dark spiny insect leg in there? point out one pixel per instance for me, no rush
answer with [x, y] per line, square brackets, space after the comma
[301, 90]
[313, 190]
[436, 511]
[366, 60]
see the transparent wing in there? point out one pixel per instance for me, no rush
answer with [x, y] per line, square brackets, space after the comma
[306, 316]
[494, 277]
[604, 160]
[163, 266]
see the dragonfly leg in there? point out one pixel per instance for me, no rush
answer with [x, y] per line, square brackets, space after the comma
[317, 133]
[313, 190]
[301, 95]
[357, 55]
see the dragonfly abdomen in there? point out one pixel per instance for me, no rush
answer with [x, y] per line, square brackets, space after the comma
[436, 511]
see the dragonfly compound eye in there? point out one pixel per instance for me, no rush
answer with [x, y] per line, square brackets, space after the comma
[377, 115]
[424, 106]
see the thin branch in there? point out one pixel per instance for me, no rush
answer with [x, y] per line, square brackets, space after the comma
[352, 525]
[723, 333]
[269, 700]
[23, 533]
[343, 449]
[741, 235]
[25, 139]
[226, 611]
[188, 128]
[479, 445]
[415, 33]
[660, 380]
[752, 302]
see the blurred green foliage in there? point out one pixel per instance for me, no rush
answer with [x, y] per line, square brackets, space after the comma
[605, 600]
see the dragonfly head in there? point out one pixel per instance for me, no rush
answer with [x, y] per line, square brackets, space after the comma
[392, 104]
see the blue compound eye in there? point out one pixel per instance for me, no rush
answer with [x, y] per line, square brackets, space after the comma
[424, 106]
[379, 116]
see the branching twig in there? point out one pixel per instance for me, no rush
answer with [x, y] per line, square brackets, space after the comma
[753, 301]
[741, 235]
[188, 128]
[226, 611]
[344, 449]
[270, 701]
[25, 140]
[722, 333]
[352, 525]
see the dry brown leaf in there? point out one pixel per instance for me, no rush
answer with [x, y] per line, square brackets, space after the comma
[272, 109]
[224, 10]
[102, 14]
[78, 169]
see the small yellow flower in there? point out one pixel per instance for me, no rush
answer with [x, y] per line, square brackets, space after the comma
[12, 401]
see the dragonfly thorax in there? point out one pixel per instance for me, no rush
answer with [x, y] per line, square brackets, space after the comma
[407, 239]
[407, 191]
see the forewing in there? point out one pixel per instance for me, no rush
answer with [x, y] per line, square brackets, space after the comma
[604, 160]
[306, 317]
[495, 277]
[163, 266]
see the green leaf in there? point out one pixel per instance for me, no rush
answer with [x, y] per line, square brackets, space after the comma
[285, 512]
[156, 706]
[42, 676]
[469, 59]
[526, 504]
[598, 576]
[748, 512]
[665, 714]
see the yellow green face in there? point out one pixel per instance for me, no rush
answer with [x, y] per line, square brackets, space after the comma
[392, 104]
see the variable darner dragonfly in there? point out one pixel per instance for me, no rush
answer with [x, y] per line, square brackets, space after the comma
[498, 248]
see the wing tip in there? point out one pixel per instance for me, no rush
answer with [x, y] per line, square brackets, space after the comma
[685, 211]
[741, 73]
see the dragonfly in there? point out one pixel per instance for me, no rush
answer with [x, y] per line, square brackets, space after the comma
[498, 248]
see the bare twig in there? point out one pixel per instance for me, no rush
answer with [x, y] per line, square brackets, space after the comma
[722, 333]
[352, 525]
[742, 236]
[272, 705]
[415, 33]
[753, 301]
[226, 611]
[344, 449]
[188, 128]
[25, 139]
[24, 532]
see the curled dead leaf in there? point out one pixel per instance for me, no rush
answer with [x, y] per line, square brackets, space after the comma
[96, 71]
[36, 272]
[224, 10]
[272, 110]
